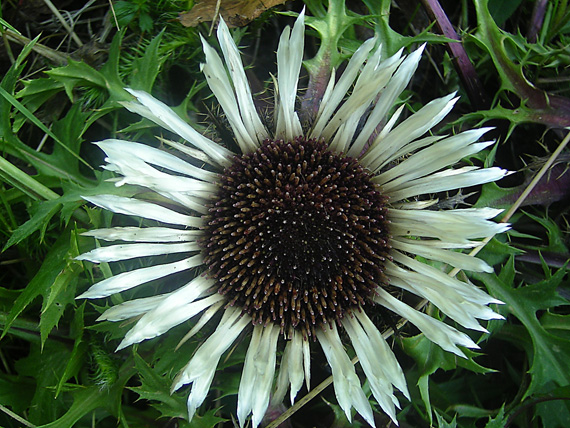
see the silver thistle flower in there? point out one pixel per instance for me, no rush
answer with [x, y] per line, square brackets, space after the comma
[303, 231]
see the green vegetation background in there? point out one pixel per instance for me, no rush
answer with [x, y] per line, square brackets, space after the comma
[59, 93]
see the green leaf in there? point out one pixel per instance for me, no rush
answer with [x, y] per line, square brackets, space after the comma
[536, 105]
[77, 356]
[145, 22]
[550, 362]
[497, 252]
[68, 204]
[38, 88]
[340, 420]
[106, 370]
[429, 357]
[111, 68]
[156, 387]
[146, 69]
[16, 392]
[91, 398]
[39, 221]
[54, 264]
[30, 116]
[75, 73]
[24, 183]
[61, 294]
[556, 238]
[556, 323]
[501, 10]
[499, 421]
[554, 410]
[442, 423]
[497, 197]
[45, 367]
[207, 420]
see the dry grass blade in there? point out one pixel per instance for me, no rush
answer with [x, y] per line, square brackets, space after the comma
[64, 23]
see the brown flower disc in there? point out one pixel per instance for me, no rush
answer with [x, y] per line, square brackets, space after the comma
[297, 235]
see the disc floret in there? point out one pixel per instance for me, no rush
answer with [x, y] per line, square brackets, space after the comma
[297, 234]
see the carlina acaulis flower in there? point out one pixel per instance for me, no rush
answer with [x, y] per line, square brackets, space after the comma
[297, 235]
[305, 231]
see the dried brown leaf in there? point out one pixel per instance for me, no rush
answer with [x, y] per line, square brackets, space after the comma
[236, 13]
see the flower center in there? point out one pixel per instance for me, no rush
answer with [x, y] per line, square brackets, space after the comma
[297, 235]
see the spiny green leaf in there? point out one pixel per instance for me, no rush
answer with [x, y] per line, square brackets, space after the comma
[145, 69]
[555, 237]
[543, 108]
[45, 367]
[156, 387]
[499, 421]
[93, 397]
[30, 116]
[111, 68]
[55, 262]
[497, 251]
[496, 197]
[429, 357]
[554, 410]
[106, 370]
[61, 294]
[556, 323]
[39, 221]
[75, 73]
[550, 362]
[442, 423]
[77, 356]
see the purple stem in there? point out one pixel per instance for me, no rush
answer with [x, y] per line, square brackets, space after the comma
[536, 20]
[463, 65]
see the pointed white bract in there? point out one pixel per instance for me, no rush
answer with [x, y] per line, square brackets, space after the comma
[336, 92]
[200, 370]
[131, 308]
[453, 258]
[177, 307]
[459, 225]
[386, 100]
[162, 115]
[438, 332]
[357, 117]
[135, 207]
[148, 234]
[382, 150]
[378, 362]
[243, 92]
[115, 253]
[289, 59]
[121, 150]
[127, 280]
[347, 387]
[217, 78]
[257, 375]
[291, 370]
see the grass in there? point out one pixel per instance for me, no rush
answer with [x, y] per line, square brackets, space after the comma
[63, 77]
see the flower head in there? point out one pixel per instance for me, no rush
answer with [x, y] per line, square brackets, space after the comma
[303, 232]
